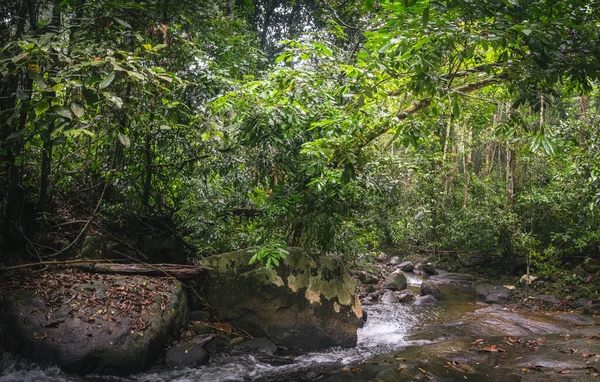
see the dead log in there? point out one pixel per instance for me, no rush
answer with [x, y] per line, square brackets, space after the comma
[178, 271]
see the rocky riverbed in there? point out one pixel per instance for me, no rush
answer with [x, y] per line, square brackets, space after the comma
[457, 335]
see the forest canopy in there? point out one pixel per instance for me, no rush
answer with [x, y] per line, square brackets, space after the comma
[339, 125]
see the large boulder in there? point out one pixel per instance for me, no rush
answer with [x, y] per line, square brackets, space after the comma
[395, 281]
[91, 323]
[307, 303]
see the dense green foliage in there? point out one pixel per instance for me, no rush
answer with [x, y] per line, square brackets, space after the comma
[339, 125]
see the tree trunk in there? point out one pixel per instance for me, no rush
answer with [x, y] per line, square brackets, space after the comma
[45, 172]
[148, 159]
[510, 176]
[468, 167]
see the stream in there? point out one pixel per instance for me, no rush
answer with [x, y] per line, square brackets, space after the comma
[385, 332]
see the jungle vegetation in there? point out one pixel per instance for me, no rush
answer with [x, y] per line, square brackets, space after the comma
[339, 125]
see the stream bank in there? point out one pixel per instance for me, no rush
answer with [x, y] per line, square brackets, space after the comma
[446, 340]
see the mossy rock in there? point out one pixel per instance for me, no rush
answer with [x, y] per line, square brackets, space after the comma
[309, 302]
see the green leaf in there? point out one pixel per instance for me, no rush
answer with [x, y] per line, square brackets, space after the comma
[63, 112]
[148, 47]
[107, 81]
[425, 17]
[118, 102]
[123, 22]
[369, 4]
[205, 136]
[77, 109]
[38, 80]
[41, 107]
[124, 139]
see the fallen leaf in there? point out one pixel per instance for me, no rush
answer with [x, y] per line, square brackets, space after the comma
[400, 368]
[422, 370]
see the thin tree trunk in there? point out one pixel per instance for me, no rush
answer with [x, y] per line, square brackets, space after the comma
[148, 159]
[510, 176]
[468, 167]
[584, 102]
[45, 172]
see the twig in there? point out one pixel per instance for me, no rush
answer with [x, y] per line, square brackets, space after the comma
[245, 334]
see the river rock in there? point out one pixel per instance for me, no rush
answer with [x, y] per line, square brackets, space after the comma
[428, 269]
[258, 345]
[186, 354]
[367, 278]
[406, 266]
[389, 298]
[492, 294]
[430, 289]
[308, 302]
[394, 261]
[579, 272]
[406, 296]
[383, 258]
[91, 323]
[395, 281]
[425, 300]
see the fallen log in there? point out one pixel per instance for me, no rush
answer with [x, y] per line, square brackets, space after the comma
[178, 271]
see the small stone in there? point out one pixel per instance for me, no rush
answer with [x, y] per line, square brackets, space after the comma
[406, 296]
[383, 258]
[394, 260]
[429, 269]
[368, 278]
[547, 298]
[237, 340]
[406, 266]
[199, 327]
[389, 298]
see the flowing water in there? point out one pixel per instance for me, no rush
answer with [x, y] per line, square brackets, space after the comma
[386, 330]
